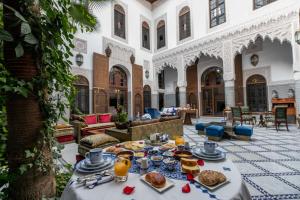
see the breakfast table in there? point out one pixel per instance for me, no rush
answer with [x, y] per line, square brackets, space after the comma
[235, 189]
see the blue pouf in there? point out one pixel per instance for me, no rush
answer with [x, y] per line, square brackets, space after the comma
[243, 132]
[214, 132]
[200, 127]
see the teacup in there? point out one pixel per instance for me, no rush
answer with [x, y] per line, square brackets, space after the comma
[210, 147]
[95, 155]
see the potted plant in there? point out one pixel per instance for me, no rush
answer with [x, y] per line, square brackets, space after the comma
[122, 118]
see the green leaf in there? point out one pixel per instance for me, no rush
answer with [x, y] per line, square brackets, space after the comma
[81, 15]
[25, 28]
[5, 36]
[23, 168]
[19, 50]
[29, 154]
[30, 39]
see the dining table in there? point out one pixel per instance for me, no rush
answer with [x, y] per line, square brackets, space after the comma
[235, 189]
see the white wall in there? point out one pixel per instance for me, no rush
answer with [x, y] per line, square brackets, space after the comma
[276, 56]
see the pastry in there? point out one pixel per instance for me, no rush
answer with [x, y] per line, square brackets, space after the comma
[188, 162]
[156, 179]
[135, 146]
[114, 150]
[211, 178]
[190, 169]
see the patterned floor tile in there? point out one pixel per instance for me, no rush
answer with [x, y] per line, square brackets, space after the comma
[294, 154]
[250, 156]
[234, 148]
[253, 191]
[270, 184]
[273, 167]
[275, 141]
[273, 155]
[233, 157]
[294, 179]
[291, 147]
[293, 164]
[254, 148]
[274, 147]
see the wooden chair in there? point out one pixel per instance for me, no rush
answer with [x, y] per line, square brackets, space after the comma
[280, 116]
[239, 115]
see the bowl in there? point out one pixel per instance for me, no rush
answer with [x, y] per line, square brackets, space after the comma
[157, 160]
[126, 154]
[182, 154]
[139, 154]
[170, 163]
[153, 152]
[148, 148]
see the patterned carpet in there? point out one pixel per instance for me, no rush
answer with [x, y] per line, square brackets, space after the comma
[269, 164]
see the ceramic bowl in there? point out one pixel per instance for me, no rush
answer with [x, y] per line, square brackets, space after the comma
[170, 163]
[126, 154]
[157, 160]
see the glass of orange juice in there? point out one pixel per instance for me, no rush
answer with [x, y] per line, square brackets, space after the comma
[121, 168]
[179, 141]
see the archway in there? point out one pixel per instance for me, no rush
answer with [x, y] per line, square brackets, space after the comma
[147, 96]
[118, 86]
[257, 93]
[81, 103]
[213, 95]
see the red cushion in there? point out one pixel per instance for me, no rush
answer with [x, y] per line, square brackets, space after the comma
[90, 119]
[65, 138]
[104, 118]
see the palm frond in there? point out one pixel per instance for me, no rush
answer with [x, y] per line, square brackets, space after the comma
[96, 5]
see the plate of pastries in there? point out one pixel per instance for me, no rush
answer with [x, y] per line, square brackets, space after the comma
[189, 166]
[134, 145]
[211, 179]
[114, 149]
[157, 181]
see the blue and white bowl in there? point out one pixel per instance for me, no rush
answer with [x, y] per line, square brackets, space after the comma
[157, 160]
[170, 163]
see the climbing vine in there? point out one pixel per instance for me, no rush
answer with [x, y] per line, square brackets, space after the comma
[48, 28]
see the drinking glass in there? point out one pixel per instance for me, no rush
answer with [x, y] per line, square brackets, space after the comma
[121, 168]
[179, 141]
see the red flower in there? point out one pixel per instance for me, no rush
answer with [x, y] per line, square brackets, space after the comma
[128, 190]
[189, 177]
[186, 188]
[200, 162]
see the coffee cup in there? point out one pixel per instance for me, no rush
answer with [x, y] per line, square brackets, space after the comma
[210, 147]
[94, 155]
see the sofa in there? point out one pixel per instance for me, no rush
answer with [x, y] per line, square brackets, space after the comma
[85, 125]
[140, 130]
[171, 111]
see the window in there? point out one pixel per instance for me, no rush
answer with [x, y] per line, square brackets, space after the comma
[146, 35]
[161, 34]
[217, 12]
[184, 23]
[119, 21]
[161, 80]
[81, 103]
[261, 3]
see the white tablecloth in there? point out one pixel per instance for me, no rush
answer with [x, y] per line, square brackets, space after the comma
[234, 190]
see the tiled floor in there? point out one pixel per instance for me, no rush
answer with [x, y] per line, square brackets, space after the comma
[269, 164]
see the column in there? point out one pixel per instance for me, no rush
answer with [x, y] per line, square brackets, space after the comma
[228, 76]
[154, 91]
[296, 67]
[229, 93]
[182, 96]
[181, 82]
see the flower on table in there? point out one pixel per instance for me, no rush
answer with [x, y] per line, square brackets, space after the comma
[128, 190]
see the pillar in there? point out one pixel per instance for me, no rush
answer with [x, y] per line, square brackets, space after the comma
[229, 73]
[182, 96]
[229, 93]
[296, 67]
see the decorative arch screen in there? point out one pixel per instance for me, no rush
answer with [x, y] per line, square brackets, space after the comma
[81, 102]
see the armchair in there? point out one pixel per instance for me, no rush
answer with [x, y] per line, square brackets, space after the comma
[279, 117]
[241, 115]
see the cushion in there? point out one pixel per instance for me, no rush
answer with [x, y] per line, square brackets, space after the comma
[100, 125]
[155, 114]
[201, 126]
[146, 117]
[104, 118]
[214, 130]
[90, 119]
[243, 130]
[94, 141]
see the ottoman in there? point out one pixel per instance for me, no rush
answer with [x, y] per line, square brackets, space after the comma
[200, 127]
[243, 132]
[214, 132]
[95, 141]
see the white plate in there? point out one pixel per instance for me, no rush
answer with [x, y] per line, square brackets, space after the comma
[216, 153]
[88, 163]
[212, 188]
[106, 162]
[93, 171]
[168, 185]
[204, 157]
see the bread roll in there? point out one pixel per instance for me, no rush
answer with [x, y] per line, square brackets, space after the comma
[188, 162]
[190, 169]
[156, 179]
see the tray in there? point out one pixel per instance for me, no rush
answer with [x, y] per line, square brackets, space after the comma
[212, 188]
[169, 184]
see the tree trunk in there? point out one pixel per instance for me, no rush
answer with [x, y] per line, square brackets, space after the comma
[24, 119]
